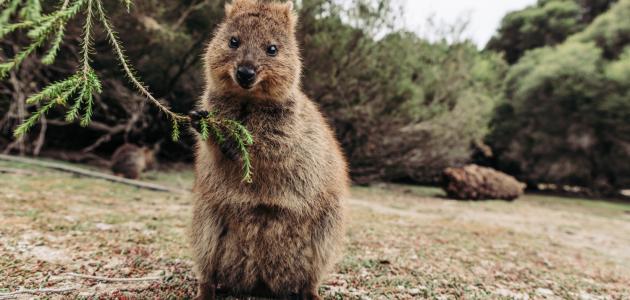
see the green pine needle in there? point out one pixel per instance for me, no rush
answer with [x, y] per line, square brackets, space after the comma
[6, 13]
[50, 56]
[175, 132]
[87, 115]
[4, 30]
[59, 99]
[73, 113]
[53, 90]
[237, 132]
[32, 10]
[205, 132]
[127, 4]
[33, 119]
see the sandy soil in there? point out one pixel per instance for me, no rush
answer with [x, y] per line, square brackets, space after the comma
[402, 243]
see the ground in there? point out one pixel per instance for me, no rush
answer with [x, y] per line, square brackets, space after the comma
[402, 242]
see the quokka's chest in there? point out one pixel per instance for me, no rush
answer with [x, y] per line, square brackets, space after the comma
[264, 223]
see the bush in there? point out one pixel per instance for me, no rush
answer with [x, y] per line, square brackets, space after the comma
[403, 107]
[547, 23]
[565, 117]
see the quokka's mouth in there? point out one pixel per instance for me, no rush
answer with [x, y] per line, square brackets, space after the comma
[246, 86]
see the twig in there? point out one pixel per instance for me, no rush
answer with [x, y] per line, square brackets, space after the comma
[93, 174]
[21, 112]
[128, 71]
[187, 12]
[15, 171]
[12, 295]
[112, 279]
[41, 139]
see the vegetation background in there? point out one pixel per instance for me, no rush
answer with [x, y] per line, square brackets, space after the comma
[548, 99]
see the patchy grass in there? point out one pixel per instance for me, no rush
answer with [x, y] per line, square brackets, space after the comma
[402, 242]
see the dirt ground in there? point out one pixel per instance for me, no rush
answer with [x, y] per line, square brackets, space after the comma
[402, 243]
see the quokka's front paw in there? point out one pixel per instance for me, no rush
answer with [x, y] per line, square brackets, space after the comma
[230, 148]
[195, 118]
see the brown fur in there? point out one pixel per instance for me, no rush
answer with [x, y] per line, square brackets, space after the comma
[279, 235]
[130, 161]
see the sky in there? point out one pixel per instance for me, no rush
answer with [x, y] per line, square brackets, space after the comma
[484, 15]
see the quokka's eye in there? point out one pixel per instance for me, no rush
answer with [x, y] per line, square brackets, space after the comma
[234, 42]
[272, 50]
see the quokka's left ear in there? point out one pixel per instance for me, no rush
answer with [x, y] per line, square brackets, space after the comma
[289, 5]
[288, 10]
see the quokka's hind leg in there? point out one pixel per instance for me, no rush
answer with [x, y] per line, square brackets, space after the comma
[206, 291]
[311, 293]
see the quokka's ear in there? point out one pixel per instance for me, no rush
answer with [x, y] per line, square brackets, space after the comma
[288, 10]
[289, 6]
[229, 7]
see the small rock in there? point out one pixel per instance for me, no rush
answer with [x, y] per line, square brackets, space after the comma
[544, 292]
[70, 218]
[413, 292]
[503, 292]
[103, 226]
[50, 255]
[510, 294]
[586, 296]
[85, 294]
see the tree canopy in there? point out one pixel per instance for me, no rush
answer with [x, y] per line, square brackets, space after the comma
[549, 95]
[547, 23]
[566, 110]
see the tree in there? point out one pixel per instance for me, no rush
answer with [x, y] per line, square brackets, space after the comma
[611, 31]
[547, 23]
[403, 107]
[565, 117]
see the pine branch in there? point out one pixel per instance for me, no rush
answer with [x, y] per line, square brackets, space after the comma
[113, 38]
[8, 12]
[39, 33]
[34, 118]
[49, 58]
[113, 279]
[85, 83]
[237, 132]
[42, 291]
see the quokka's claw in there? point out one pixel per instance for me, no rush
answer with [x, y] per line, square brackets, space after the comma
[195, 118]
[229, 148]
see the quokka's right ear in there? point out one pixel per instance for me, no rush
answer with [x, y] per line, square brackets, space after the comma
[228, 9]
[288, 10]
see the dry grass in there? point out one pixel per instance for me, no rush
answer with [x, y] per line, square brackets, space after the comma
[403, 243]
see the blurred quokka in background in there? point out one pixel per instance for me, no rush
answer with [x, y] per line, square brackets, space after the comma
[130, 161]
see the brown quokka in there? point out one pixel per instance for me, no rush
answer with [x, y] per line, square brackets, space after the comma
[279, 235]
[130, 161]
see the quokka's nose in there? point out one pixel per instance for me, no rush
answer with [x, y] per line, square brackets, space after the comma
[246, 75]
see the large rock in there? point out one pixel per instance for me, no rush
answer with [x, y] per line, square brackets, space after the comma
[473, 182]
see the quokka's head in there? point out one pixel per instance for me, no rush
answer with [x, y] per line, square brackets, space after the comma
[254, 52]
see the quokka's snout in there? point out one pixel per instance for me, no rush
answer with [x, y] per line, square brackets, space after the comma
[246, 75]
